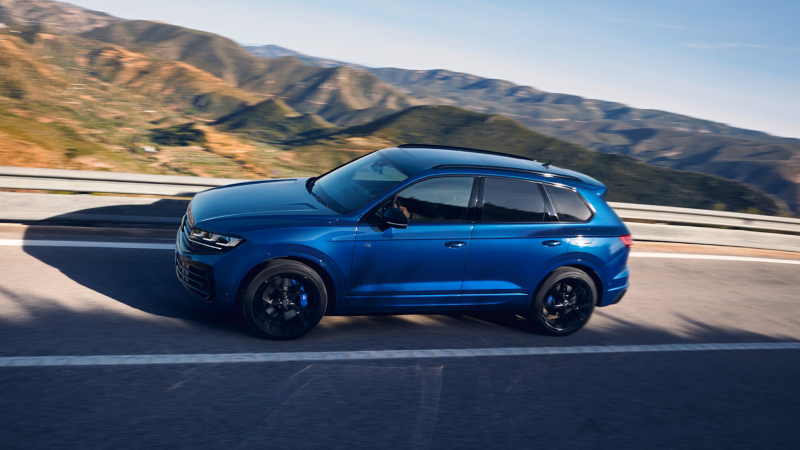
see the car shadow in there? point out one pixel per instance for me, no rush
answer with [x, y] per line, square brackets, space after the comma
[145, 281]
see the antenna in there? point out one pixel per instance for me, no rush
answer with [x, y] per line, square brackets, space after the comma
[547, 165]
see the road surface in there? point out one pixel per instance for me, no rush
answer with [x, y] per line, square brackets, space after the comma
[67, 301]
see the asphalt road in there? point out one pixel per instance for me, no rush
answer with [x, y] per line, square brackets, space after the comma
[87, 301]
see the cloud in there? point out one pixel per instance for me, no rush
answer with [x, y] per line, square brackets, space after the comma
[740, 45]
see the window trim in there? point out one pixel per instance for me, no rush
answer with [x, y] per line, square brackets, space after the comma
[550, 209]
[470, 216]
[580, 196]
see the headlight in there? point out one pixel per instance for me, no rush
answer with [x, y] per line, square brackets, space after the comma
[213, 240]
[189, 214]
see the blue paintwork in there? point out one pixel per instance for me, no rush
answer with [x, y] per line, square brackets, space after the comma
[498, 266]
[397, 270]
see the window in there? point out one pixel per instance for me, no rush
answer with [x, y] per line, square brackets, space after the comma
[569, 206]
[357, 182]
[445, 198]
[509, 200]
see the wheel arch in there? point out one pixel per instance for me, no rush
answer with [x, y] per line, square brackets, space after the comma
[580, 265]
[317, 266]
[598, 282]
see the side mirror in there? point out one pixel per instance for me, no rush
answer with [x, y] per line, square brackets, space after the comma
[394, 218]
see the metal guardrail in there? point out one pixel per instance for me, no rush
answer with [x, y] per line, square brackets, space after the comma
[668, 214]
[187, 186]
[107, 182]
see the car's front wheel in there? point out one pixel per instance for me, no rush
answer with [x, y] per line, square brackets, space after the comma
[564, 302]
[285, 301]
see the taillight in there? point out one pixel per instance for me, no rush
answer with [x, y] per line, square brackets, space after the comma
[627, 240]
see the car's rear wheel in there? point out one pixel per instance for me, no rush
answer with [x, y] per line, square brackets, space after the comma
[564, 302]
[285, 301]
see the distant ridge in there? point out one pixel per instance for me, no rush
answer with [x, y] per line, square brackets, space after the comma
[661, 138]
[341, 95]
[59, 17]
[271, 120]
[92, 101]
[628, 180]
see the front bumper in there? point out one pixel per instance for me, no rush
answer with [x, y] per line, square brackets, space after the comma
[196, 277]
[212, 277]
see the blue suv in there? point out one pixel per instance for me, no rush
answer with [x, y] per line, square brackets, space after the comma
[409, 229]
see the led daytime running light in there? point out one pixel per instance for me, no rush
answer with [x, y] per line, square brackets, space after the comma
[215, 239]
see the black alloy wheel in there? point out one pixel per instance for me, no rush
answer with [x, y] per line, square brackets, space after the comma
[564, 302]
[285, 301]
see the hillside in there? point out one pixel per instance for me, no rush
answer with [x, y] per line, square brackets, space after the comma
[627, 179]
[341, 95]
[66, 102]
[271, 120]
[97, 100]
[178, 84]
[55, 16]
[660, 138]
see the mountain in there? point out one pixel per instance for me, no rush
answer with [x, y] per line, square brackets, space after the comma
[628, 180]
[275, 51]
[55, 16]
[271, 120]
[483, 93]
[179, 84]
[660, 138]
[71, 103]
[219, 56]
[342, 95]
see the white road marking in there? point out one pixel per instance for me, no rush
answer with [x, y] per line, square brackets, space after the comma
[713, 257]
[223, 358]
[91, 244]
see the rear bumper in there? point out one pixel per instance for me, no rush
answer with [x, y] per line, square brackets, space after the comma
[615, 296]
[616, 289]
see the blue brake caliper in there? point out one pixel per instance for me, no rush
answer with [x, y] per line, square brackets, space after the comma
[303, 295]
[303, 299]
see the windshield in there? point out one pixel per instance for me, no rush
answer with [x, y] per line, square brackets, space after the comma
[357, 182]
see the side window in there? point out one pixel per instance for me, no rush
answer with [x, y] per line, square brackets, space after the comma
[569, 206]
[509, 200]
[445, 198]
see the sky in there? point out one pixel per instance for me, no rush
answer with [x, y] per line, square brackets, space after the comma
[730, 61]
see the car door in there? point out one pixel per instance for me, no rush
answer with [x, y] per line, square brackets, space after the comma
[513, 243]
[421, 267]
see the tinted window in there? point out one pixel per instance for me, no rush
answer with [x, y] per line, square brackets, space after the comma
[569, 206]
[357, 182]
[507, 200]
[445, 198]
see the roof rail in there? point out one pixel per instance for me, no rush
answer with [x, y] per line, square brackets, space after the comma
[511, 169]
[464, 149]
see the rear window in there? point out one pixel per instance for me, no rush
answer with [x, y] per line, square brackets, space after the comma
[509, 200]
[569, 206]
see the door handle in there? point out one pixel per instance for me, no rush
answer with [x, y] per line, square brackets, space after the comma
[455, 244]
[551, 243]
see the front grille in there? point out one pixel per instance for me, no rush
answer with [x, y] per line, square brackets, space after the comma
[186, 243]
[196, 277]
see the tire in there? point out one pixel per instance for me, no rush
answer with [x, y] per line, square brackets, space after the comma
[284, 301]
[563, 303]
